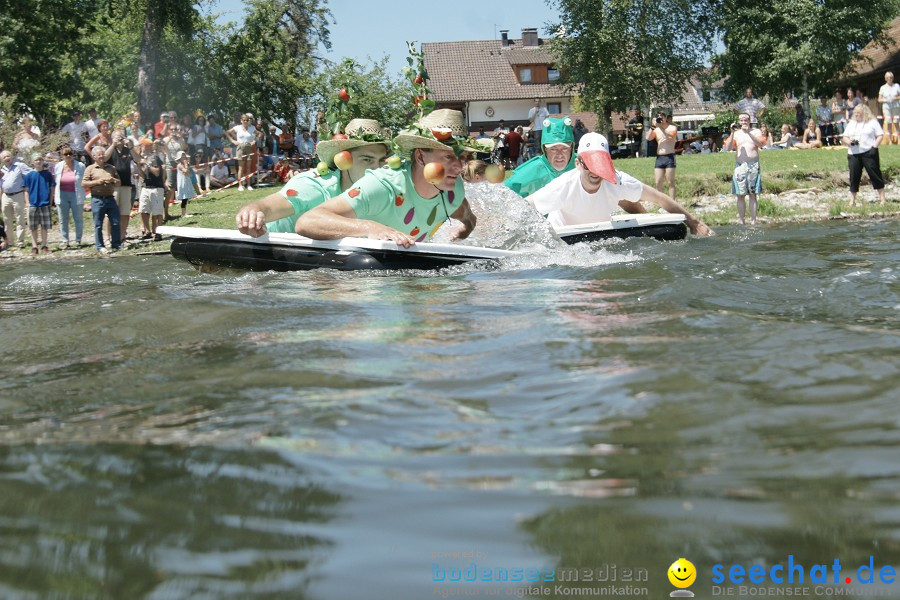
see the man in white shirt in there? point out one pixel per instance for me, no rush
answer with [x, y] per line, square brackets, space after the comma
[889, 96]
[594, 189]
[76, 131]
[91, 123]
[536, 117]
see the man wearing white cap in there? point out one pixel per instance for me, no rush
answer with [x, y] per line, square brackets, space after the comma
[592, 191]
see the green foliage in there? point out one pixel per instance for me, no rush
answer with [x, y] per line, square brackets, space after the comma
[10, 111]
[774, 117]
[780, 46]
[619, 54]
[374, 94]
[418, 78]
[268, 64]
[43, 44]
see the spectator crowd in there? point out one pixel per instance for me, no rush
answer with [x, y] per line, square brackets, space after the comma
[114, 168]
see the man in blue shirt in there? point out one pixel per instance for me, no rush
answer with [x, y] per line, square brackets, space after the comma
[13, 198]
[39, 188]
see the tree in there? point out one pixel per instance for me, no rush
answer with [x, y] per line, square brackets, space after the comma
[43, 44]
[374, 94]
[618, 54]
[782, 46]
[269, 63]
[178, 16]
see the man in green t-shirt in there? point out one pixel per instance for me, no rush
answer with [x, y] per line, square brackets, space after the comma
[279, 212]
[407, 204]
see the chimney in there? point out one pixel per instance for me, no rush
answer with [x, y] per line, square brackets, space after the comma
[530, 36]
[504, 37]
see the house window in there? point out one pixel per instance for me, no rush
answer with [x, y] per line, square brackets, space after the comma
[707, 96]
[552, 74]
[525, 75]
[554, 108]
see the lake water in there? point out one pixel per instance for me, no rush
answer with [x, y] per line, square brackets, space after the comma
[166, 433]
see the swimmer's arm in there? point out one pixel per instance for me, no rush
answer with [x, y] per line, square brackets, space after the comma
[336, 219]
[252, 218]
[632, 207]
[467, 219]
[696, 226]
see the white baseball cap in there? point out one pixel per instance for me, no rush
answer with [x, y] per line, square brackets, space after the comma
[593, 151]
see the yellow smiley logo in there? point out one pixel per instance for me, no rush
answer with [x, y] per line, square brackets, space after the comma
[682, 573]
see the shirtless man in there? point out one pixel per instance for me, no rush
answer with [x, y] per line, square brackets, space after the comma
[747, 179]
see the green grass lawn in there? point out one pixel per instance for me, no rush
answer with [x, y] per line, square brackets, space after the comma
[783, 170]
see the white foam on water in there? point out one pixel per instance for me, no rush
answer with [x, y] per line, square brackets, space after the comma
[508, 221]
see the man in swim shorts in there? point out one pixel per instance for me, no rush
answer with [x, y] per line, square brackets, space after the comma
[747, 179]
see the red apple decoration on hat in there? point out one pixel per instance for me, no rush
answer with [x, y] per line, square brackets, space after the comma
[442, 133]
[434, 173]
[495, 173]
[343, 160]
[339, 136]
[344, 95]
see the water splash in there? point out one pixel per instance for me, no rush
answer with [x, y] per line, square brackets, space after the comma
[505, 220]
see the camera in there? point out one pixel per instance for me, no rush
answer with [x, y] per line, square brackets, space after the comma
[854, 142]
[735, 126]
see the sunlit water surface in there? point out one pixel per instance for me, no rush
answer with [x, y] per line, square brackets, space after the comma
[171, 434]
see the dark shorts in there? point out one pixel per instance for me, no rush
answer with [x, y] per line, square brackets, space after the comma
[665, 161]
[39, 216]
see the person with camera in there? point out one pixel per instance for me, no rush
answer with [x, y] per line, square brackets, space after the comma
[665, 134]
[119, 155]
[862, 136]
[747, 179]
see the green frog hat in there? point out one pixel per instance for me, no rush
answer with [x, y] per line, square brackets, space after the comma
[537, 172]
[557, 131]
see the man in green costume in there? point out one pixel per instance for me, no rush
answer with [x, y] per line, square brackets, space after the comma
[279, 212]
[408, 204]
[556, 158]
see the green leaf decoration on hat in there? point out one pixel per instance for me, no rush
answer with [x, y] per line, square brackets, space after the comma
[362, 136]
[557, 131]
[456, 143]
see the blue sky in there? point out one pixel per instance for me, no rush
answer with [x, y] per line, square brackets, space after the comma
[377, 28]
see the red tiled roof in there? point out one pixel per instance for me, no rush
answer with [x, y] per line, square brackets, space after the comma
[875, 57]
[480, 70]
[528, 55]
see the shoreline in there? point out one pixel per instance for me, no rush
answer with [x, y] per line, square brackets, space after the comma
[797, 205]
